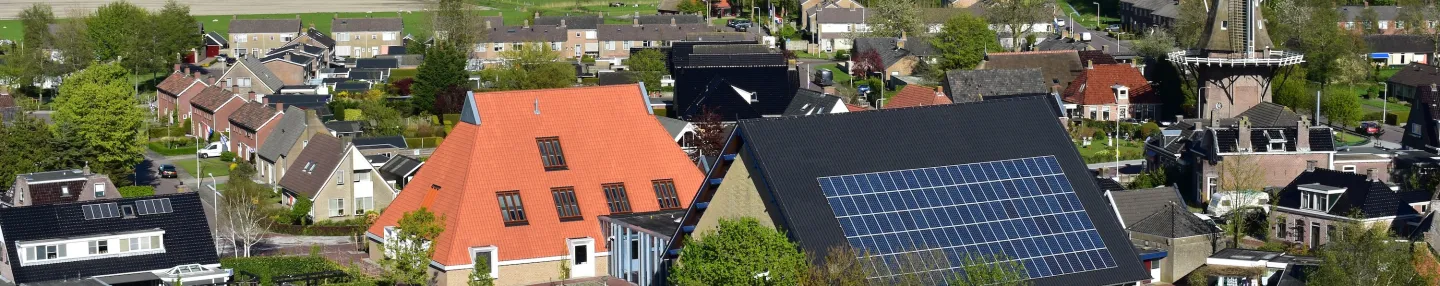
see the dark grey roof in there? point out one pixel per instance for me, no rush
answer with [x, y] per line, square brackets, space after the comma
[1400, 44]
[377, 63]
[659, 222]
[1058, 67]
[1257, 255]
[399, 166]
[352, 86]
[795, 151]
[616, 78]
[673, 126]
[321, 156]
[719, 36]
[841, 16]
[296, 98]
[287, 56]
[975, 85]
[60, 175]
[652, 32]
[284, 136]
[379, 142]
[583, 22]
[810, 102]
[319, 37]
[1134, 205]
[887, 48]
[377, 159]
[245, 26]
[1416, 75]
[1269, 114]
[1057, 43]
[741, 55]
[187, 238]
[309, 50]
[1227, 139]
[1352, 13]
[345, 126]
[215, 39]
[367, 74]
[1108, 184]
[519, 34]
[263, 73]
[668, 19]
[1173, 221]
[340, 25]
[1371, 198]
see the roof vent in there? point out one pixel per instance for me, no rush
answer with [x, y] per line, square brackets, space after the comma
[537, 106]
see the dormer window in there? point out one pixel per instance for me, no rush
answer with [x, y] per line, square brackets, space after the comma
[1224, 25]
[1276, 139]
[1320, 198]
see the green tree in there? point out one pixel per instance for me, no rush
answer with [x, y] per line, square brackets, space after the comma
[649, 67]
[410, 251]
[893, 18]
[244, 216]
[26, 147]
[1340, 105]
[1148, 179]
[841, 266]
[385, 121]
[1155, 45]
[1413, 17]
[444, 67]
[691, 7]
[1017, 17]
[72, 40]
[1291, 91]
[1359, 255]
[115, 31]
[1369, 21]
[480, 276]
[991, 270]
[534, 66]
[962, 43]
[1191, 23]
[96, 106]
[175, 32]
[739, 252]
[37, 19]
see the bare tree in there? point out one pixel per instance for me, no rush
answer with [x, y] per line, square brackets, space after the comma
[1238, 174]
[1017, 17]
[242, 214]
[842, 266]
[454, 22]
[710, 134]
[892, 18]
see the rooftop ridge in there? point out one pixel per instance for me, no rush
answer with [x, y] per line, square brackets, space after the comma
[990, 101]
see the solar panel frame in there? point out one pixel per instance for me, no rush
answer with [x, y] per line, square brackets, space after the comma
[1023, 208]
[142, 207]
[165, 205]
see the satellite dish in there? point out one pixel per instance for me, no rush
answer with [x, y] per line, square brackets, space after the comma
[1218, 105]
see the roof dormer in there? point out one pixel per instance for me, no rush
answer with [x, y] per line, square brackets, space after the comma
[1318, 197]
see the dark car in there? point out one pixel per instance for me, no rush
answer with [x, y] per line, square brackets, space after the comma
[736, 23]
[1371, 128]
[168, 171]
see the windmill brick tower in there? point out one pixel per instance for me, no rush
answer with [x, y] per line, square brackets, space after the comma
[1234, 60]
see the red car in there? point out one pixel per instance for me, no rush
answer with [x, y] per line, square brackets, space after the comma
[1371, 128]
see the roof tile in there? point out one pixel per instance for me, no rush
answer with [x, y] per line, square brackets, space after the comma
[1093, 86]
[914, 95]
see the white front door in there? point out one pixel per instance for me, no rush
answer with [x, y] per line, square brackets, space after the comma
[582, 257]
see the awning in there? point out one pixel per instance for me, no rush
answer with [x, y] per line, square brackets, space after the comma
[1380, 55]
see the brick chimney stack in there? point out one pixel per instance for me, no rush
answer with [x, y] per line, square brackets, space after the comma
[1302, 135]
[1243, 143]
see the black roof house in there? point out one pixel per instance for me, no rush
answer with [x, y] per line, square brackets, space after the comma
[800, 163]
[1372, 199]
[186, 239]
[762, 73]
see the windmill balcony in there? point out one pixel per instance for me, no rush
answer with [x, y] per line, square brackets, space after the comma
[1271, 58]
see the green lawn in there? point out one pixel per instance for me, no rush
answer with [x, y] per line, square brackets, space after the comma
[221, 23]
[212, 166]
[1384, 74]
[11, 29]
[1348, 139]
[176, 148]
[1084, 12]
[840, 75]
[1098, 152]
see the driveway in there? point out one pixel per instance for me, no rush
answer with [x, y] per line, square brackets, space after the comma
[151, 166]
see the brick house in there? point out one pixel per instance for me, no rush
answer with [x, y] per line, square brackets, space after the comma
[502, 38]
[1112, 92]
[295, 64]
[173, 104]
[1317, 199]
[619, 40]
[289, 136]
[211, 110]
[1141, 15]
[337, 179]
[366, 37]
[250, 74]
[254, 121]
[1196, 148]
[581, 38]
[254, 37]
[55, 187]
[1352, 19]
[528, 209]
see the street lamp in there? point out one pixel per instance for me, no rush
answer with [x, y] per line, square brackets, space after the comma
[1118, 114]
[1097, 15]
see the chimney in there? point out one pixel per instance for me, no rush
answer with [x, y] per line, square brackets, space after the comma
[234, 17]
[177, 68]
[1179, 117]
[900, 44]
[635, 22]
[195, 74]
[672, 21]
[87, 169]
[939, 93]
[1302, 135]
[255, 97]
[1089, 64]
[278, 106]
[527, 24]
[537, 15]
[1243, 143]
[562, 22]
[487, 25]
[235, 89]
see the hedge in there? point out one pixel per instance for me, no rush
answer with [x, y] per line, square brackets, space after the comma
[424, 142]
[185, 147]
[267, 267]
[137, 191]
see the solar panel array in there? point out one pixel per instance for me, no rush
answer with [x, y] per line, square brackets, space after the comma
[99, 211]
[155, 206]
[1023, 210]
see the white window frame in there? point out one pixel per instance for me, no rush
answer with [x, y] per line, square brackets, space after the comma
[364, 204]
[1348, 169]
[337, 207]
[342, 37]
[609, 45]
[99, 190]
[494, 259]
[389, 36]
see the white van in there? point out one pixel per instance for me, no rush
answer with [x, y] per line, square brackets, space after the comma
[212, 150]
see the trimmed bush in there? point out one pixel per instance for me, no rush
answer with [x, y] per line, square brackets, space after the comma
[173, 148]
[227, 156]
[268, 267]
[137, 191]
[424, 142]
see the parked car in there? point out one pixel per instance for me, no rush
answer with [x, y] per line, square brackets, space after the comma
[1371, 128]
[1113, 28]
[168, 171]
[736, 23]
[212, 150]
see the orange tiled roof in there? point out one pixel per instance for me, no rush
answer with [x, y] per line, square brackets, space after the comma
[173, 84]
[1092, 86]
[914, 95]
[855, 108]
[607, 136]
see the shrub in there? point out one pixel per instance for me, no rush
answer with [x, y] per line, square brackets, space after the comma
[173, 147]
[137, 191]
[227, 156]
[267, 267]
[1372, 116]
[1148, 129]
[300, 213]
[842, 55]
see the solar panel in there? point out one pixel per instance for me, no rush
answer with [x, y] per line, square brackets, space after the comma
[165, 205]
[111, 210]
[89, 211]
[99, 211]
[142, 207]
[1024, 209]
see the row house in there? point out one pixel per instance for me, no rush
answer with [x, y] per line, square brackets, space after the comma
[366, 37]
[501, 38]
[55, 187]
[1111, 92]
[581, 37]
[1280, 143]
[259, 36]
[1399, 50]
[289, 136]
[211, 109]
[252, 75]
[254, 121]
[619, 40]
[1142, 15]
[337, 179]
[1313, 204]
[834, 28]
[173, 103]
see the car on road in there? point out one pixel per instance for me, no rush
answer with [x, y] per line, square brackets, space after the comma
[1371, 128]
[212, 150]
[168, 171]
[1113, 28]
[737, 23]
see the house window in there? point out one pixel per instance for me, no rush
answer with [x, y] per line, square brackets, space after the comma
[255, 51]
[1212, 184]
[499, 47]
[627, 44]
[240, 52]
[665, 194]
[551, 154]
[1384, 25]
[64, 191]
[565, 203]
[609, 45]
[489, 257]
[389, 36]
[1280, 230]
[364, 204]
[1399, 24]
[337, 207]
[139, 243]
[616, 198]
[555, 46]
[99, 247]
[374, 37]
[1348, 169]
[339, 179]
[244, 81]
[44, 252]
[1300, 230]
[1224, 25]
[511, 208]
[1310, 164]
[479, 47]
[517, 45]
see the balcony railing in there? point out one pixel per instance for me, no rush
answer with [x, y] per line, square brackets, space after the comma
[1272, 58]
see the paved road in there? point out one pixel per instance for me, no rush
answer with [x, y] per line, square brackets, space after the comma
[150, 167]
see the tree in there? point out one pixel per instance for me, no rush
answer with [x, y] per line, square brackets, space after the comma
[534, 66]
[175, 32]
[962, 43]
[841, 266]
[410, 251]
[1148, 179]
[991, 270]
[867, 62]
[73, 42]
[1155, 45]
[894, 18]
[710, 134]
[1413, 18]
[26, 146]
[480, 276]
[37, 19]
[385, 121]
[1360, 255]
[1017, 17]
[691, 7]
[244, 215]
[648, 66]
[739, 252]
[1369, 21]
[1238, 174]
[1291, 90]
[444, 68]
[451, 100]
[96, 106]
[1341, 106]
[455, 23]
[1191, 23]
[115, 32]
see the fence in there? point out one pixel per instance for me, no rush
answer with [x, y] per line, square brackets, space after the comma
[797, 45]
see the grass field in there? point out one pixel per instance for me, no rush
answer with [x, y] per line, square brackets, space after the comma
[212, 166]
[11, 29]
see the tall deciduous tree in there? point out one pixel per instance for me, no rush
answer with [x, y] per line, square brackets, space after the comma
[444, 68]
[115, 31]
[1155, 45]
[37, 19]
[892, 18]
[1413, 18]
[410, 251]
[72, 40]
[26, 146]
[962, 43]
[1191, 24]
[991, 270]
[96, 107]
[691, 7]
[244, 215]
[534, 66]
[710, 134]
[867, 62]
[1369, 21]
[648, 66]
[1341, 106]
[1237, 175]
[1018, 17]
[739, 252]
[841, 266]
[175, 32]
[1360, 255]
